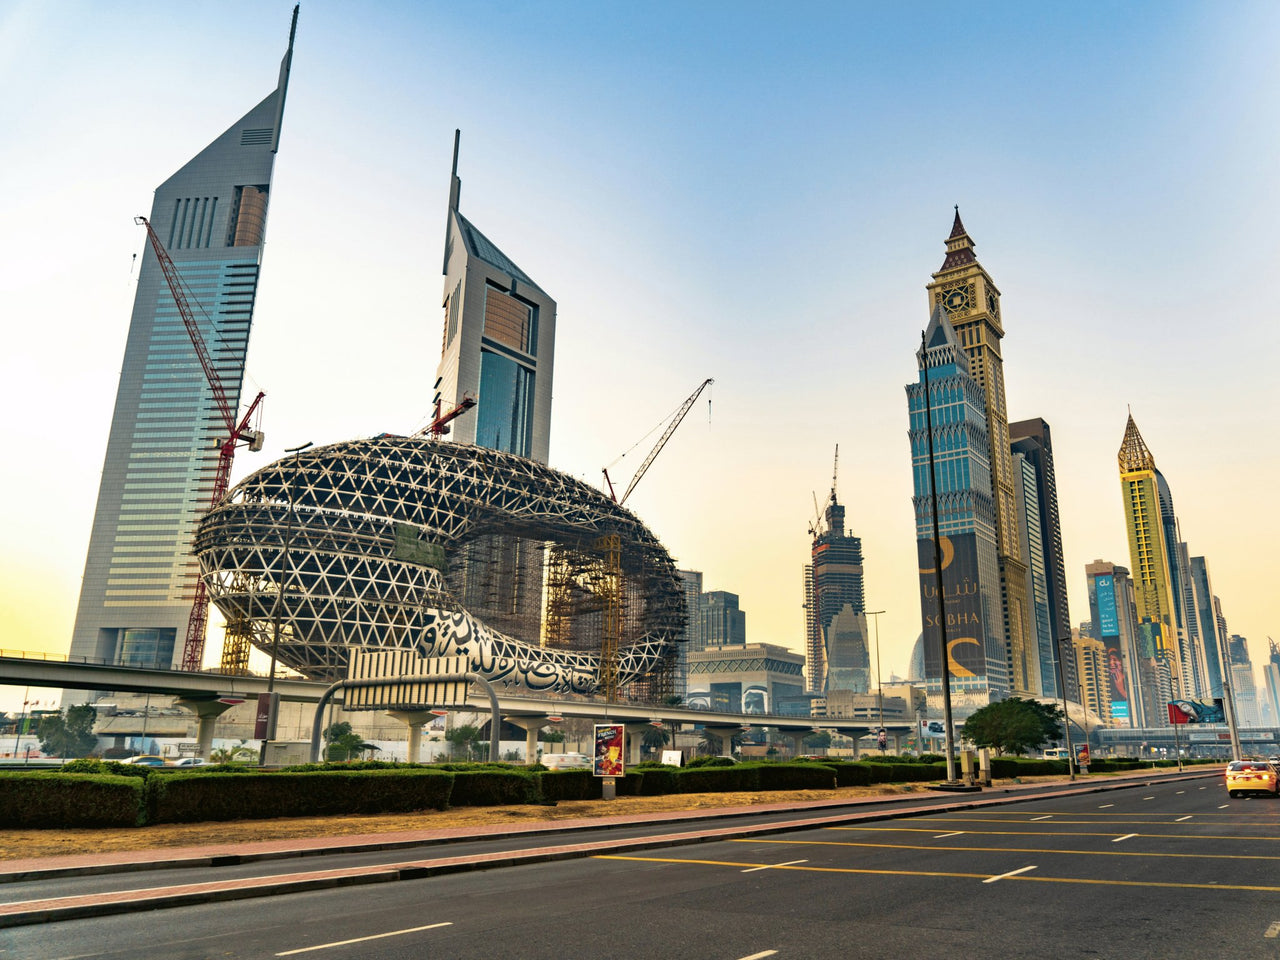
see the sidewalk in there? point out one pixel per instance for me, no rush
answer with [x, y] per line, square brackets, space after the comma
[223, 854]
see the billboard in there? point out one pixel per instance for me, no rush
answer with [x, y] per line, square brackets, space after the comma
[1108, 619]
[1116, 680]
[610, 740]
[962, 604]
[1197, 711]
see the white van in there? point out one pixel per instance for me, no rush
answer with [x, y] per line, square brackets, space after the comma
[566, 761]
[1054, 753]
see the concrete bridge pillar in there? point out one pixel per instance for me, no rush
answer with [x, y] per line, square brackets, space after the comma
[414, 720]
[207, 713]
[531, 727]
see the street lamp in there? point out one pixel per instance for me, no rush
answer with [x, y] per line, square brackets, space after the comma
[1066, 719]
[879, 682]
[275, 607]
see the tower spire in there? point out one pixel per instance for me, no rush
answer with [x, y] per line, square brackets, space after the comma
[282, 87]
[959, 246]
[1133, 454]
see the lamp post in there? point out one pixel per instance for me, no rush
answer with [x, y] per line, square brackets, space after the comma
[879, 681]
[1066, 719]
[937, 570]
[275, 608]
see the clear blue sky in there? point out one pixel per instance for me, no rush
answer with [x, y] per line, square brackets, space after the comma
[753, 192]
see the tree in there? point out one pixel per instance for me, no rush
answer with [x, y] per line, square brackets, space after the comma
[711, 743]
[343, 744]
[552, 736]
[464, 737]
[655, 738]
[1014, 725]
[69, 734]
[232, 754]
[819, 739]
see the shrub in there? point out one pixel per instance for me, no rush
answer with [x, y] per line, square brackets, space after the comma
[717, 779]
[51, 799]
[851, 774]
[493, 787]
[557, 785]
[710, 762]
[795, 776]
[658, 780]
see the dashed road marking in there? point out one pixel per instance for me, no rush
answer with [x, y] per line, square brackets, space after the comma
[1105, 805]
[1047, 816]
[943, 836]
[1224, 806]
[1180, 819]
[1011, 873]
[1127, 836]
[376, 936]
[1179, 792]
[1148, 798]
[771, 866]
[1273, 930]
[761, 955]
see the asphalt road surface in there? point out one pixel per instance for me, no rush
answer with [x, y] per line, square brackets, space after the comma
[1175, 869]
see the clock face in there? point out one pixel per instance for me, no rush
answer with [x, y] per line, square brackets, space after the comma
[993, 305]
[957, 299]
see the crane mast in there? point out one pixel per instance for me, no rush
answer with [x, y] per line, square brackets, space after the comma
[657, 447]
[237, 433]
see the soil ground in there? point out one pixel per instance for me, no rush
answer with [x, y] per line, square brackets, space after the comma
[21, 844]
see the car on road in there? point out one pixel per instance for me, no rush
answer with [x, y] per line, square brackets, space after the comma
[1251, 776]
[190, 762]
[566, 761]
[145, 760]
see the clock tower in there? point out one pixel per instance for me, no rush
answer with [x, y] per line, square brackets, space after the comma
[972, 302]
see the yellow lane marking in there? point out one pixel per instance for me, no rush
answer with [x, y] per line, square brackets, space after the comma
[1051, 833]
[1270, 821]
[1082, 853]
[376, 936]
[1157, 884]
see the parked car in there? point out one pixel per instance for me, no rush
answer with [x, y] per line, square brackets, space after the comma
[566, 761]
[1251, 776]
[146, 760]
[190, 762]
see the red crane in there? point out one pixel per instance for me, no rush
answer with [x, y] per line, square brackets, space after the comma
[438, 427]
[237, 433]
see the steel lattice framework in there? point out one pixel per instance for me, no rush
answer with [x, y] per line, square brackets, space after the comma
[364, 543]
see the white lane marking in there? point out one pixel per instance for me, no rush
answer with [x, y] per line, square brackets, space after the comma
[376, 936]
[943, 836]
[1011, 873]
[1204, 788]
[1105, 805]
[761, 955]
[1047, 816]
[1273, 930]
[770, 866]
[1224, 806]
[1179, 793]
[1180, 819]
[1125, 837]
[1148, 798]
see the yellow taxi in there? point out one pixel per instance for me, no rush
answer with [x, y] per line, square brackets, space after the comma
[1251, 776]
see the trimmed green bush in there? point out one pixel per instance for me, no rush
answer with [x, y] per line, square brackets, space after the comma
[557, 785]
[54, 799]
[658, 781]
[493, 788]
[851, 774]
[795, 776]
[728, 779]
[191, 797]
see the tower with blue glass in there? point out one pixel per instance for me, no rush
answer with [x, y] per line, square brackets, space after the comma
[162, 451]
[970, 576]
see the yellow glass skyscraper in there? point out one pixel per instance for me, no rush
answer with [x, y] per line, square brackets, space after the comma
[1149, 561]
[972, 302]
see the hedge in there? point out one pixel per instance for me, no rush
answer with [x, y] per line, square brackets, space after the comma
[186, 798]
[493, 788]
[50, 799]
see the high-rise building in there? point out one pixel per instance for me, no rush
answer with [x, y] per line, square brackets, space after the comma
[1271, 684]
[498, 349]
[1148, 556]
[1033, 439]
[1244, 686]
[721, 623]
[970, 576]
[1212, 642]
[972, 302]
[1114, 624]
[166, 428]
[1186, 624]
[691, 586]
[833, 589]
[1094, 687]
[499, 341]
[1040, 655]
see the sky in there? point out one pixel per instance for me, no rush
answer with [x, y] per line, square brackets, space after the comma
[754, 192]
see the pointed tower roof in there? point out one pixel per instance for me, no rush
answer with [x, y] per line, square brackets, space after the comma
[940, 341]
[959, 246]
[1134, 455]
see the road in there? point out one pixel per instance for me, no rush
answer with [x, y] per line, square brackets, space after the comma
[1171, 869]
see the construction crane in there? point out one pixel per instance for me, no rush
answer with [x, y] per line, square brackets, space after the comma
[657, 448]
[439, 427]
[237, 433]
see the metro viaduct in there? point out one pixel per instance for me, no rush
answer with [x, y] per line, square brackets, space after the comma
[209, 695]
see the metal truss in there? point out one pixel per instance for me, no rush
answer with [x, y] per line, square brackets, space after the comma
[369, 543]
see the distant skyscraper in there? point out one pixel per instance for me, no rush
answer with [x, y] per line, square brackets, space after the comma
[1032, 438]
[972, 302]
[1040, 655]
[976, 650]
[833, 588]
[1271, 681]
[499, 348]
[1114, 624]
[1243, 683]
[1094, 686]
[721, 622]
[499, 341]
[1152, 581]
[1212, 642]
[166, 429]
[1186, 624]
[691, 583]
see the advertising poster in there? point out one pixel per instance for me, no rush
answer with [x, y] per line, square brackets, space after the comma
[1197, 711]
[933, 730]
[962, 603]
[610, 740]
[1108, 620]
[1117, 682]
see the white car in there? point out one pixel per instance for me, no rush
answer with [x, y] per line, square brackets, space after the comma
[566, 761]
[190, 762]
